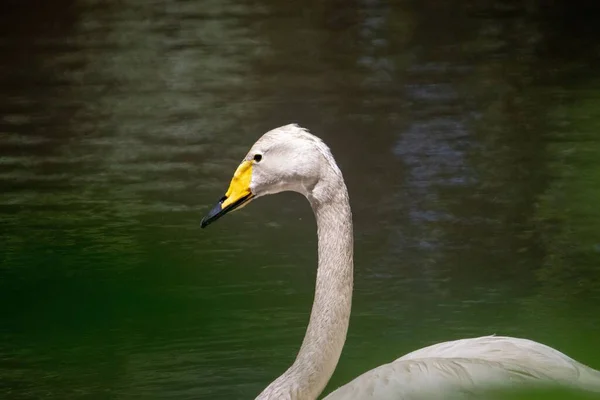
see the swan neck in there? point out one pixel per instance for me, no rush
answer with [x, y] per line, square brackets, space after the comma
[330, 315]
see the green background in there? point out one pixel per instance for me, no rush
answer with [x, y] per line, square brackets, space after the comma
[467, 133]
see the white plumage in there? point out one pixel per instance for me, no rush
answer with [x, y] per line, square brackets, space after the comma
[468, 367]
[290, 158]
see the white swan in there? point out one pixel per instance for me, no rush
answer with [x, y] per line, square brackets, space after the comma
[290, 158]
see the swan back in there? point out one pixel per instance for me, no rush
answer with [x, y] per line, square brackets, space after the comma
[468, 367]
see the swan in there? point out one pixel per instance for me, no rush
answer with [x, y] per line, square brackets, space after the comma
[289, 158]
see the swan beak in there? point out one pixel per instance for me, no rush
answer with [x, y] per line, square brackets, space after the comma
[237, 196]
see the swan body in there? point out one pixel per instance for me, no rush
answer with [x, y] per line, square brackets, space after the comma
[289, 158]
[468, 367]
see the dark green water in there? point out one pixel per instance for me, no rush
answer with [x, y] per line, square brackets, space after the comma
[468, 136]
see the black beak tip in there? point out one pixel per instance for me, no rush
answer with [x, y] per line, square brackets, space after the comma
[212, 215]
[204, 223]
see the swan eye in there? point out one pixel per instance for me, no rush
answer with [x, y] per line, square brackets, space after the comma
[257, 157]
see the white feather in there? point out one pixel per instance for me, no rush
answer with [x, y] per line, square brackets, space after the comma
[469, 367]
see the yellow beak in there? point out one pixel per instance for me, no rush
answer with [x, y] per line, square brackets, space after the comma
[238, 194]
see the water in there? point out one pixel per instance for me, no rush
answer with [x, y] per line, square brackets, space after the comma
[468, 137]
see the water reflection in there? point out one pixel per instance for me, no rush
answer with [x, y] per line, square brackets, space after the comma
[466, 136]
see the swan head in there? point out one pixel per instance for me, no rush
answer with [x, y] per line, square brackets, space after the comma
[288, 158]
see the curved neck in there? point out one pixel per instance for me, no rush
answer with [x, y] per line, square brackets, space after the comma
[326, 332]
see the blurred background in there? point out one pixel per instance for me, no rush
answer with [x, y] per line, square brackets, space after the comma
[467, 132]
